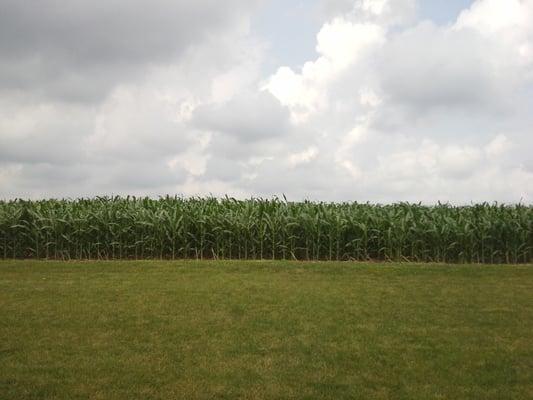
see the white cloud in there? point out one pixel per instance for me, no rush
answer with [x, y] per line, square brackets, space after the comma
[386, 12]
[303, 157]
[495, 16]
[498, 146]
[368, 97]
[340, 44]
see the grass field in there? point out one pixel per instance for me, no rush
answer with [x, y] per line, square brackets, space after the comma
[264, 330]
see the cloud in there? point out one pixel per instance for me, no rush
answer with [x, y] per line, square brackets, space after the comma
[78, 50]
[134, 134]
[390, 108]
[247, 117]
[495, 16]
[420, 108]
[384, 12]
[303, 157]
[498, 146]
[427, 66]
[340, 43]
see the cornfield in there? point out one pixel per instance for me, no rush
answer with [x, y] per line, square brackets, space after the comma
[175, 227]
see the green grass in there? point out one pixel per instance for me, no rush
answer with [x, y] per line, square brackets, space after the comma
[264, 330]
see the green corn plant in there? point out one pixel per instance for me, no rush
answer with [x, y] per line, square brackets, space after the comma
[175, 227]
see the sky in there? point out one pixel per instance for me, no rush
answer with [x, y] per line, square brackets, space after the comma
[328, 100]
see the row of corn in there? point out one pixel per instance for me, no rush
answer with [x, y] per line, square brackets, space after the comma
[175, 227]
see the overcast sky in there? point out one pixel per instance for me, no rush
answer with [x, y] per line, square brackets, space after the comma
[359, 100]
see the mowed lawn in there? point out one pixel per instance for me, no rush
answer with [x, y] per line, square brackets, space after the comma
[264, 330]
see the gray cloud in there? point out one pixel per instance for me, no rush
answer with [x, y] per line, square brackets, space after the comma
[247, 117]
[427, 67]
[77, 50]
[42, 133]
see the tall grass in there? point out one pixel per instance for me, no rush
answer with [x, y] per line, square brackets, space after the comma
[173, 227]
